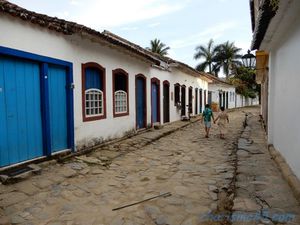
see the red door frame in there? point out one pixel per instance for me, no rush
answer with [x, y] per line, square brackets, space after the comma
[167, 83]
[145, 98]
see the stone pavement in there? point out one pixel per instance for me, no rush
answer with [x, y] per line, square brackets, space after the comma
[198, 172]
[261, 191]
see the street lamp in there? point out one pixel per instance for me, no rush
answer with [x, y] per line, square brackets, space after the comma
[249, 60]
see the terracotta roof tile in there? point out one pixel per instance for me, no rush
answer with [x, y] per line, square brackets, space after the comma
[65, 27]
[69, 28]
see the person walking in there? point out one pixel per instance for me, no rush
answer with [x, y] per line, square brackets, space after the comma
[223, 118]
[206, 116]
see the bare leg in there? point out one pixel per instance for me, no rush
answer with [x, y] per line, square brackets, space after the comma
[207, 133]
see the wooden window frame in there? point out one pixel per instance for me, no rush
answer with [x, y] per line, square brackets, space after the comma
[123, 94]
[100, 93]
[94, 65]
[114, 73]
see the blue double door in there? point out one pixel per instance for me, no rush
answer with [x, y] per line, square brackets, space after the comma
[33, 110]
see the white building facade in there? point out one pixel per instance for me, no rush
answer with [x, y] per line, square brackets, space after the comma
[222, 94]
[277, 60]
[64, 87]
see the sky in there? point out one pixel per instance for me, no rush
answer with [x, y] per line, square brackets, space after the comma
[180, 24]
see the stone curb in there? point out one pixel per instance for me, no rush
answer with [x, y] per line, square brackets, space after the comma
[286, 171]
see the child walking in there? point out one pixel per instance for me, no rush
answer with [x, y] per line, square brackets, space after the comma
[207, 115]
[223, 118]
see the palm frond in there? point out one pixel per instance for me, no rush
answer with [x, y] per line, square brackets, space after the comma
[158, 47]
[201, 66]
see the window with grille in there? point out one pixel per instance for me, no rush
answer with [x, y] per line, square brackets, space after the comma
[120, 102]
[120, 93]
[93, 102]
[93, 92]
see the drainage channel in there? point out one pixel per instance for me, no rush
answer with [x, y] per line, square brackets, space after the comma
[226, 195]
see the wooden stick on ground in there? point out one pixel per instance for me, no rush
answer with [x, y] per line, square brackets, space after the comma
[167, 194]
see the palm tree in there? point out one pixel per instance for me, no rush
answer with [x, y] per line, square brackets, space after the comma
[228, 56]
[208, 53]
[158, 47]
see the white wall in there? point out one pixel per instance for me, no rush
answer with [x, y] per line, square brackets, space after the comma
[174, 77]
[241, 101]
[215, 87]
[24, 36]
[284, 103]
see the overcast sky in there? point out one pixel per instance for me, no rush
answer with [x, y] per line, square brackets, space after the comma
[180, 24]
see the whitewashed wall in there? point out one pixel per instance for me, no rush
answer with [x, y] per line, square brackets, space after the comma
[239, 101]
[24, 36]
[284, 103]
[215, 87]
[176, 76]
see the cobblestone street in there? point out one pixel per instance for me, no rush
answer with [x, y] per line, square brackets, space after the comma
[199, 173]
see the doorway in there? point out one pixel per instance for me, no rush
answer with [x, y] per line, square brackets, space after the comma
[183, 106]
[166, 101]
[141, 100]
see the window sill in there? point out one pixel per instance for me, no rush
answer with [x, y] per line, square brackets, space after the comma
[93, 118]
[121, 114]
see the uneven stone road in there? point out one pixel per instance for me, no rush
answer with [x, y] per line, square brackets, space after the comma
[198, 172]
[261, 191]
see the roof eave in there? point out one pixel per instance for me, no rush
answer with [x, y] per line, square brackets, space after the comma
[68, 28]
[265, 15]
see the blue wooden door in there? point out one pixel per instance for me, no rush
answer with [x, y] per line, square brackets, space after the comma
[140, 103]
[20, 111]
[57, 78]
[154, 102]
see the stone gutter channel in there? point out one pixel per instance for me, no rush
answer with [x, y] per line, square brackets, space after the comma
[246, 201]
[230, 210]
[227, 194]
[257, 194]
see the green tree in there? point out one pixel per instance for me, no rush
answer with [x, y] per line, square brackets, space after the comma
[244, 81]
[208, 53]
[227, 57]
[158, 47]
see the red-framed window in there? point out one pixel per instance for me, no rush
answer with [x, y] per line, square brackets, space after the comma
[120, 93]
[93, 92]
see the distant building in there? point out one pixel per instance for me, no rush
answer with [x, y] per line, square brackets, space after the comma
[222, 93]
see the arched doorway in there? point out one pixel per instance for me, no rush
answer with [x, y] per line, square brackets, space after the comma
[141, 101]
[166, 101]
[155, 100]
[183, 104]
[191, 100]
